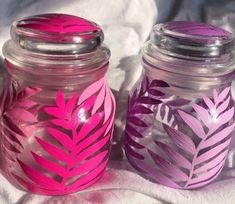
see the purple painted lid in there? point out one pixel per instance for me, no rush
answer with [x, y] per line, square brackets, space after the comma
[39, 32]
[192, 39]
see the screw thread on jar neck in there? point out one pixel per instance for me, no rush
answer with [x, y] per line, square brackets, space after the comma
[190, 55]
[56, 48]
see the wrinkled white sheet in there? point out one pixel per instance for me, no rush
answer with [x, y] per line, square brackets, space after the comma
[126, 24]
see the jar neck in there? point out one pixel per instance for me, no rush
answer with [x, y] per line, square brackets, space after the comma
[57, 71]
[191, 74]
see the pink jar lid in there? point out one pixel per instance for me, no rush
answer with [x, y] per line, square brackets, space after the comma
[61, 29]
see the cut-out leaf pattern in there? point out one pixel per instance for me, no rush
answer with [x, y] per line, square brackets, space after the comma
[199, 139]
[208, 157]
[73, 150]
[16, 107]
[141, 104]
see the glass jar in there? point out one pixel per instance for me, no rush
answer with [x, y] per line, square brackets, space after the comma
[57, 110]
[181, 113]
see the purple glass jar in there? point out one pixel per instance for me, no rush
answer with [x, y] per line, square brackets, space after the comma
[181, 112]
[57, 111]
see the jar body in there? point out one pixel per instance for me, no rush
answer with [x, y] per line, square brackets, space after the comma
[176, 136]
[54, 141]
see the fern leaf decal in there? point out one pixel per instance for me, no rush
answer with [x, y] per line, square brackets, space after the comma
[16, 107]
[75, 153]
[141, 103]
[197, 138]
[209, 155]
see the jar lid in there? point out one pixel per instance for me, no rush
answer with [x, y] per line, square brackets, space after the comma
[57, 33]
[192, 39]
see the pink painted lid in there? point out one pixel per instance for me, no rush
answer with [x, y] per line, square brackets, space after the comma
[60, 29]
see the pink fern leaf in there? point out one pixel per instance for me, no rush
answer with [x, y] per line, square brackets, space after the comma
[206, 175]
[25, 104]
[89, 177]
[27, 92]
[87, 104]
[89, 165]
[223, 106]
[222, 95]
[221, 120]
[61, 137]
[180, 139]
[202, 113]
[71, 104]
[10, 146]
[62, 123]
[99, 100]
[212, 152]
[83, 144]
[209, 103]
[193, 123]
[8, 96]
[60, 101]
[54, 111]
[90, 124]
[91, 90]
[54, 151]
[49, 165]
[218, 137]
[109, 106]
[213, 163]
[205, 182]
[22, 115]
[84, 154]
[38, 177]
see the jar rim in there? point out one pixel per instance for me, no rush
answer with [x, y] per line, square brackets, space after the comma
[192, 39]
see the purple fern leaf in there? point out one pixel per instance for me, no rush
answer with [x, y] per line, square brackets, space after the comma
[140, 109]
[168, 168]
[159, 83]
[180, 139]
[136, 121]
[148, 100]
[133, 131]
[177, 102]
[174, 155]
[155, 92]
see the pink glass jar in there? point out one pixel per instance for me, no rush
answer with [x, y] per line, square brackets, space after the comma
[57, 110]
[181, 113]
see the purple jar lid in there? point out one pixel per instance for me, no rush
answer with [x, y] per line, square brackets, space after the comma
[192, 39]
[61, 29]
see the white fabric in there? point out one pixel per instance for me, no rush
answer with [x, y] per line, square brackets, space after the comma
[126, 24]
